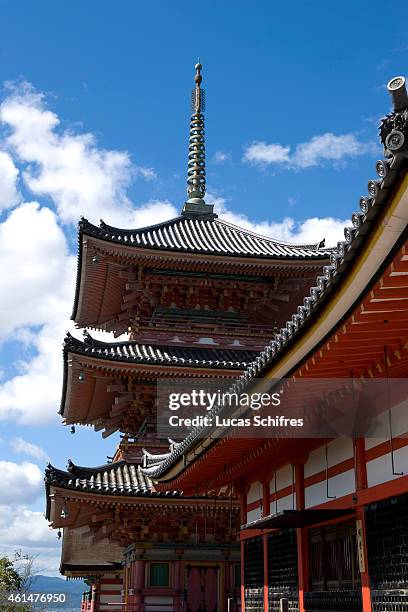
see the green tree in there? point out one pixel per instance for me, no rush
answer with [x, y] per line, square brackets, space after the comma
[15, 577]
[10, 579]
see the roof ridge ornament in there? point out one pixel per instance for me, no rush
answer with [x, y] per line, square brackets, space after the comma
[394, 127]
[195, 205]
[398, 92]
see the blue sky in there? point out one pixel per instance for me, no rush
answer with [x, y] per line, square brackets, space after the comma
[94, 121]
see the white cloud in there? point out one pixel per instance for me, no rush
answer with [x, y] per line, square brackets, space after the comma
[263, 153]
[38, 289]
[310, 231]
[21, 483]
[19, 445]
[8, 182]
[37, 271]
[154, 211]
[221, 156]
[25, 527]
[147, 173]
[315, 229]
[67, 167]
[32, 396]
[329, 147]
[318, 150]
[28, 531]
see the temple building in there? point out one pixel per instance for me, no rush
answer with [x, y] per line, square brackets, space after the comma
[199, 298]
[324, 520]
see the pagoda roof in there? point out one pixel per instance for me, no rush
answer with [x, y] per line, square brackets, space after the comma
[166, 355]
[209, 235]
[194, 244]
[368, 223]
[84, 503]
[119, 478]
[93, 370]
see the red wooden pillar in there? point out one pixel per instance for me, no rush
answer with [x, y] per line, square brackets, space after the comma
[242, 577]
[302, 538]
[361, 483]
[365, 576]
[125, 583]
[265, 512]
[360, 463]
[265, 572]
[178, 585]
[140, 566]
[242, 490]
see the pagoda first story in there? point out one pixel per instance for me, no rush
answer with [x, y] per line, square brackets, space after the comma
[140, 549]
[324, 521]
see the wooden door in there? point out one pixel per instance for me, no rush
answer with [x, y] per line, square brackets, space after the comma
[202, 588]
[334, 558]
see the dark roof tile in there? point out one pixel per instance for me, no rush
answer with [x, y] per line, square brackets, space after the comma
[119, 478]
[132, 352]
[212, 236]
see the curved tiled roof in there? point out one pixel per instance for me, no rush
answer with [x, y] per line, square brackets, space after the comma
[209, 235]
[132, 352]
[119, 478]
[394, 137]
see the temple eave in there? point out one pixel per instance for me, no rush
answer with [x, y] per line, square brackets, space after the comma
[338, 302]
[101, 260]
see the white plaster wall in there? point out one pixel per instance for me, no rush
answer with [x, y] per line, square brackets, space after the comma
[338, 450]
[105, 600]
[339, 485]
[253, 515]
[399, 418]
[380, 470]
[158, 603]
[379, 426]
[255, 492]
[285, 503]
[283, 479]
[316, 494]
[316, 462]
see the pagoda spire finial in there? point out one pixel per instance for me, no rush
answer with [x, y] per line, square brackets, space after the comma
[195, 204]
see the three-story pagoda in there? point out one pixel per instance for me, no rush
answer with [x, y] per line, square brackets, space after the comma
[199, 298]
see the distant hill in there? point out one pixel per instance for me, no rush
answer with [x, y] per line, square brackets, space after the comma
[73, 590]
